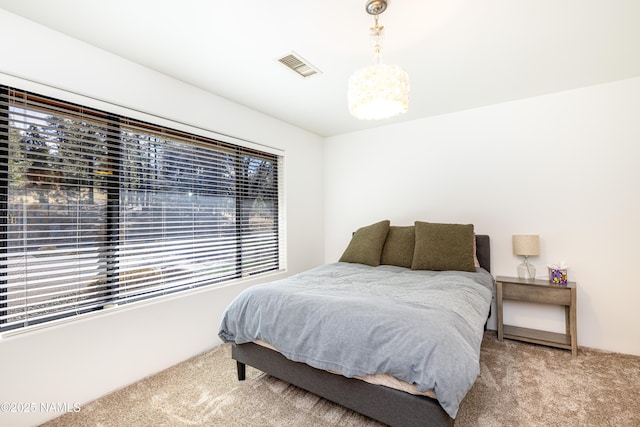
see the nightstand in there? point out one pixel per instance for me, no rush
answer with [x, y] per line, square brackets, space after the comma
[543, 292]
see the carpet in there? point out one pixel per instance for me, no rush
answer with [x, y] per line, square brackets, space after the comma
[519, 385]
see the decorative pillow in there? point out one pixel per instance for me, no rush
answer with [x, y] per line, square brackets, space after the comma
[398, 248]
[442, 247]
[366, 244]
[476, 263]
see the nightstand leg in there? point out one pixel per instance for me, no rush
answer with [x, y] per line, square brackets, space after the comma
[499, 310]
[573, 320]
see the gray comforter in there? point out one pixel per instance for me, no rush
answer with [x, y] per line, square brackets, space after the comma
[422, 327]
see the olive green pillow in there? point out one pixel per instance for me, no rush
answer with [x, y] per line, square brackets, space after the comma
[366, 244]
[442, 247]
[398, 248]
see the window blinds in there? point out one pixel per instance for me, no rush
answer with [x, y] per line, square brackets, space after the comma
[99, 210]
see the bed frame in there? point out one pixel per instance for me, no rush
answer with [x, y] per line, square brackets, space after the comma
[384, 404]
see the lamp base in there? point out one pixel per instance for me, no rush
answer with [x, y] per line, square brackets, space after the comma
[526, 270]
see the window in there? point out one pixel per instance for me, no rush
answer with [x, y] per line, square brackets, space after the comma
[98, 210]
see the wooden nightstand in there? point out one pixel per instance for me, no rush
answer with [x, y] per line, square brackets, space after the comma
[539, 291]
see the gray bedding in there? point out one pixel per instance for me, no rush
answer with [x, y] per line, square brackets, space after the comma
[422, 327]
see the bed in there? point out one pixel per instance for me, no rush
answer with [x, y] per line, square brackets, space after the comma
[303, 329]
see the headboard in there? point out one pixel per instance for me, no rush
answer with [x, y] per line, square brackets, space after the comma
[483, 251]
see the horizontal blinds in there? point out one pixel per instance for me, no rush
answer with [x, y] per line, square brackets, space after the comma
[99, 210]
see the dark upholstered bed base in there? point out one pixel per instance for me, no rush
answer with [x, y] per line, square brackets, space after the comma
[392, 407]
[483, 251]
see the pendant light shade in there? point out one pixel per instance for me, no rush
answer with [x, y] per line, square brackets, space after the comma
[378, 91]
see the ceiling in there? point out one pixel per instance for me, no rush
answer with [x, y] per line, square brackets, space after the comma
[459, 54]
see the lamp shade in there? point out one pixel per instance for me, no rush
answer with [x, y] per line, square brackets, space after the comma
[378, 92]
[526, 244]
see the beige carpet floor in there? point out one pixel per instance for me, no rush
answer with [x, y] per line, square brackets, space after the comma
[519, 385]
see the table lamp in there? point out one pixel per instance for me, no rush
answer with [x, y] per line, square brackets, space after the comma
[526, 245]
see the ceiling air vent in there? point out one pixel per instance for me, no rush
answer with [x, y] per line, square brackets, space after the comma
[296, 63]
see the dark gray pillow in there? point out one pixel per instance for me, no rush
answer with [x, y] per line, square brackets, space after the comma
[442, 247]
[398, 248]
[366, 244]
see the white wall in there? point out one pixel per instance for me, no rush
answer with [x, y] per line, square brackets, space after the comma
[564, 166]
[82, 360]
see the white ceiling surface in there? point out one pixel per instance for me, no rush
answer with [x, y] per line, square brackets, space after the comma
[459, 54]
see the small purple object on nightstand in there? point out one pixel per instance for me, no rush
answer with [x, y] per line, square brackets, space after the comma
[557, 275]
